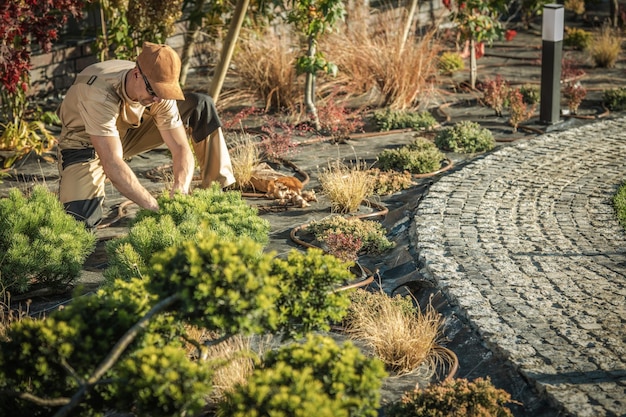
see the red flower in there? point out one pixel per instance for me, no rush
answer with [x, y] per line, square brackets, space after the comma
[510, 34]
[447, 4]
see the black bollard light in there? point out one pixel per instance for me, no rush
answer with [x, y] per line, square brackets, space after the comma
[551, 55]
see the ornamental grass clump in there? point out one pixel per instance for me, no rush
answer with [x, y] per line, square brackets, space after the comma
[454, 397]
[346, 187]
[401, 335]
[41, 246]
[244, 156]
[606, 47]
[179, 218]
[419, 157]
[465, 137]
[318, 377]
[390, 119]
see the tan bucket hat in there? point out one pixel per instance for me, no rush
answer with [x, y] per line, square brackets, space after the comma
[161, 66]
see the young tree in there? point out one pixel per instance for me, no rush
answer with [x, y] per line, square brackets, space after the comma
[477, 22]
[313, 18]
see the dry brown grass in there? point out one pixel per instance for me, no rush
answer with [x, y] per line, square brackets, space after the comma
[346, 186]
[265, 64]
[402, 336]
[244, 157]
[375, 56]
[8, 316]
[232, 360]
[606, 47]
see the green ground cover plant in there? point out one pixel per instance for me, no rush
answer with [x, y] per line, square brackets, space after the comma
[465, 137]
[615, 98]
[389, 119]
[454, 398]
[371, 233]
[419, 157]
[41, 246]
[619, 202]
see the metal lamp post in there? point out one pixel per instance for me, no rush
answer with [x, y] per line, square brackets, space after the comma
[551, 56]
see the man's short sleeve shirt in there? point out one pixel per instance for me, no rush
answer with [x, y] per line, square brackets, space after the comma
[102, 107]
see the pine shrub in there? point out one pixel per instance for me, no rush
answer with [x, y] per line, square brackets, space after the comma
[308, 300]
[316, 378]
[40, 244]
[179, 218]
[465, 137]
[225, 286]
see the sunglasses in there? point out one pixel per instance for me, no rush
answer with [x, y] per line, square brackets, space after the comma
[145, 80]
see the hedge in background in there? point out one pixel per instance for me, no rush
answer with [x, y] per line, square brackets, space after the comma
[40, 244]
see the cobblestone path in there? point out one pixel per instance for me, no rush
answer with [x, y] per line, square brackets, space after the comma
[525, 242]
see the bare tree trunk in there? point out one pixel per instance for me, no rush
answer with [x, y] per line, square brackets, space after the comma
[408, 24]
[309, 88]
[614, 13]
[227, 50]
[191, 35]
[473, 71]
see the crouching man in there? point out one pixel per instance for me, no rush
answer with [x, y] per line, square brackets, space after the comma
[117, 109]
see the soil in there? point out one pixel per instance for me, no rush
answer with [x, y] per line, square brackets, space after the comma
[517, 61]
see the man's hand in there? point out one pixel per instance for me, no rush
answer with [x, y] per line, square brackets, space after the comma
[109, 150]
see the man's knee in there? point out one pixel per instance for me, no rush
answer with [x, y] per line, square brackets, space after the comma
[86, 211]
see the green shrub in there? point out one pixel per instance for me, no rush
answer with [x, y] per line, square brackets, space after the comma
[615, 98]
[619, 202]
[40, 244]
[390, 182]
[531, 94]
[450, 62]
[465, 137]
[400, 119]
[179, 218]
[577, 38]
[231, 282]
[163, 382]
[135, 328]
[316, 378]
[371, 233]
[40, 357]
[420, 157]
[307, 298]
[454, 398]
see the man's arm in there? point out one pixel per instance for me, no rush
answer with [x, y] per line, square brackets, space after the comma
[182, 158]
[109, 150]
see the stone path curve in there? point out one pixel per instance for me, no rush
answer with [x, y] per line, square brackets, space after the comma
[525, 242]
